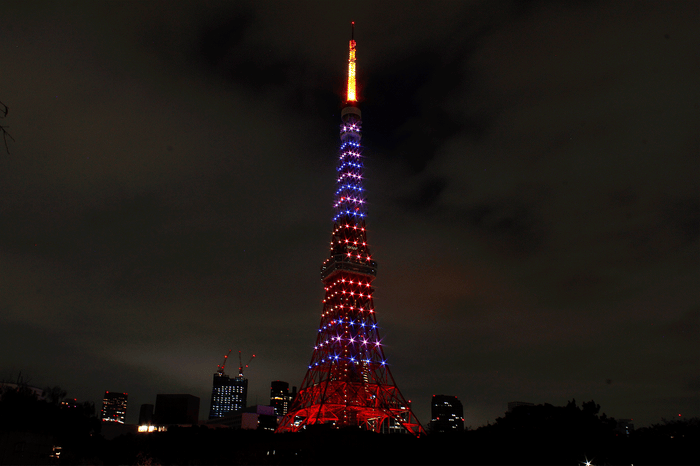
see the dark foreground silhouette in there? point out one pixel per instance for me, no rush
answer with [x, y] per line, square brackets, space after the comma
[32, 429]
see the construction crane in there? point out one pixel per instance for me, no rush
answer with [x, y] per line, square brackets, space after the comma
[220, 369]
[241, 366]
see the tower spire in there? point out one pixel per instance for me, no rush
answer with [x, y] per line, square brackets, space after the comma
[352, 90]
[348, 382]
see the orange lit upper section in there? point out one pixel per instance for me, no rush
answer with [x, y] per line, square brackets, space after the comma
[352, 90]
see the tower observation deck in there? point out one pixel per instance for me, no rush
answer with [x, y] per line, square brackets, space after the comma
[348, 382]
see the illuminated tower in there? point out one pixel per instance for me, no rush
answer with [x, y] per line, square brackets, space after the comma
[348, 382]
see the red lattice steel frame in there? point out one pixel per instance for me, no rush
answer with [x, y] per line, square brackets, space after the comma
[348, 382]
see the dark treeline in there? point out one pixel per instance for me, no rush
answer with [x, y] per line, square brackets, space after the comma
[30, 429]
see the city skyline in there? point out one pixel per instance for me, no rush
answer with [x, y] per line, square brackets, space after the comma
[531, 184]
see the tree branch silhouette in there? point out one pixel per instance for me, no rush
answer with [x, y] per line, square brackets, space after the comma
[3, 110]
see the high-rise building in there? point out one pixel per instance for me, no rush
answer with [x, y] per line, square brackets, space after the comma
[114, 407]
[176, 409]
[292, 397]
[279, 397]
[348, 382]
[229, 394]
[624, 427]
[146, 415]
[69, 403]
[256, 417]
[447, 414]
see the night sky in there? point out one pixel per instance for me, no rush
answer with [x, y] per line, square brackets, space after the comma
[531, 171]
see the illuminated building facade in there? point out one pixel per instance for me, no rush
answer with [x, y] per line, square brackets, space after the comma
[348, 382]
[279, 397]
[229, 395]
[114, 407]
[447, 414]
[69, 403]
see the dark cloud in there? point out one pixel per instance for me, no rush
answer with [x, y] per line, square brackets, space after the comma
[684, 216]
[426, 196]
[224, 39]
[409, 122]
[694, 384]
[531, 175]
[512, 226]
[223, 46]
[685, 327]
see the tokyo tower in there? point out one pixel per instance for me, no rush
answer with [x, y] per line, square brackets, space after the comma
[348, 382]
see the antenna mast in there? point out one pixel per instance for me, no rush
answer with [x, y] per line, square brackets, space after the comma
[352, 90]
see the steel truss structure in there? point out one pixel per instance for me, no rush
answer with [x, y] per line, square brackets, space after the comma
[348, 382]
